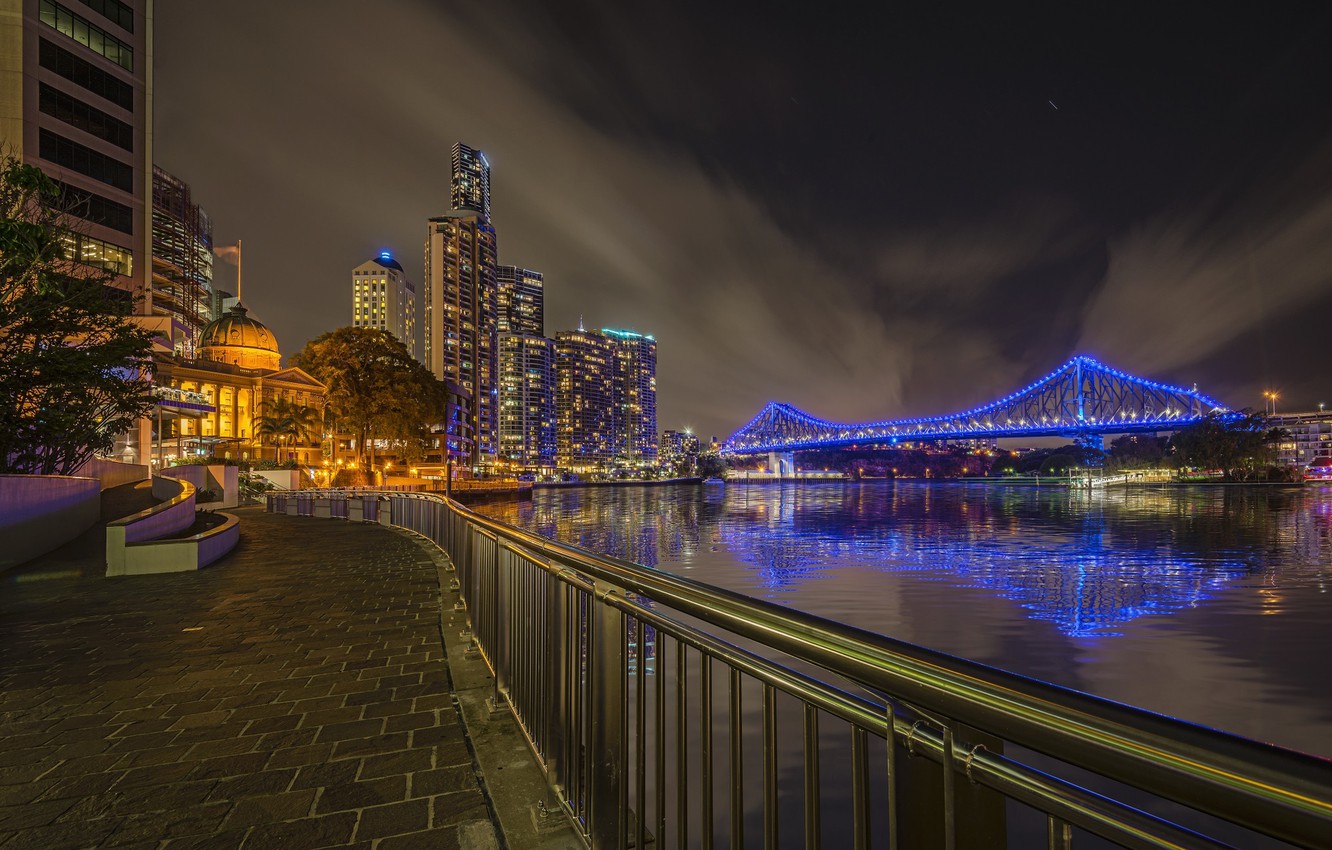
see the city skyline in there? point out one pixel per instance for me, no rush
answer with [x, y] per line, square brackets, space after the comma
[959, 246]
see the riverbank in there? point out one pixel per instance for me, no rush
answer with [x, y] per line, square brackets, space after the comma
[627, 482]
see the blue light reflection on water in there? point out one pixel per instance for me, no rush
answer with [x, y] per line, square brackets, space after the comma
[1209, 603]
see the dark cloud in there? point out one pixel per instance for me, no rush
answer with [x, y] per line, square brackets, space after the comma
[1185, 285]
[858, 230]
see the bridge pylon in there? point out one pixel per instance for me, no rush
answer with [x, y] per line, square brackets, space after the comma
[782, 463]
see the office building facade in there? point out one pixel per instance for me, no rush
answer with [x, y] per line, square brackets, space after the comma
[384, 299]
[526, 412]
[521, 301]
[76, 101]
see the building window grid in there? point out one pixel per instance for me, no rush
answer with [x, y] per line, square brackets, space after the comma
[76, 157]
[84, 74]
[91, 120]
[84, 32]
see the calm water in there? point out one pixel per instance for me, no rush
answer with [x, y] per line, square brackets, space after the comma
[1210, 604]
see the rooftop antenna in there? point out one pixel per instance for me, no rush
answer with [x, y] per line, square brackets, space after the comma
[580, 323]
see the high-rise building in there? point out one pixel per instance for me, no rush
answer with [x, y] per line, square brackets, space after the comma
[470, 184]
[606, 399]
[526, 400]
[584, 395]
[76, 101]
[521, 301]
[461, 316]
[182, 259]
[678, 449]
[383, 298]
[634, 398]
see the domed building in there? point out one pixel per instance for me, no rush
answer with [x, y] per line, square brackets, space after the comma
[211, 401]
[237, 339]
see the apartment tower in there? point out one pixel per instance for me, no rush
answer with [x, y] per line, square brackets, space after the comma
[526, 401]
[383, 298]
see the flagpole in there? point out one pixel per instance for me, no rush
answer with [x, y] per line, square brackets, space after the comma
[238, 271]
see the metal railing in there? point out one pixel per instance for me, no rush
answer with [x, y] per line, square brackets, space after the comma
[665, 710]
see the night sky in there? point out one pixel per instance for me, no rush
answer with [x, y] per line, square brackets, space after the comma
[867, 214]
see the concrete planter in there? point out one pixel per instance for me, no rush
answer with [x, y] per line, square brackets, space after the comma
[133, 544]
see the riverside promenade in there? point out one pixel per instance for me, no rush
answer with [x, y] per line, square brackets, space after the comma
[296, 694]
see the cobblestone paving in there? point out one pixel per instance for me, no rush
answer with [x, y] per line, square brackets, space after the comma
[294, 695]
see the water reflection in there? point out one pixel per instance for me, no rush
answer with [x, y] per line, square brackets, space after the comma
[1208, 603]
[1086, 563]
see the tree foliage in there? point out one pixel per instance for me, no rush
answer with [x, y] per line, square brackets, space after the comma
[1137, 451]
[281, 418]
[1241, 445]
[376, 389]
[75, 371]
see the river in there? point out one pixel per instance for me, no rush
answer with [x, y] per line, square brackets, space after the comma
[1210, 604]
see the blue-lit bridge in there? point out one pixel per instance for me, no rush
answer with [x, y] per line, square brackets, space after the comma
[1081, 399]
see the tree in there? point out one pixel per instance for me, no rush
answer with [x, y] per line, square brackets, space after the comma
[1136, 451]
[375, 387]
[711, 465]
[281, 418]
[1238, 444]
[76, 368]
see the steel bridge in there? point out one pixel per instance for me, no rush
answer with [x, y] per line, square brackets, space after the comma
[1081, 399]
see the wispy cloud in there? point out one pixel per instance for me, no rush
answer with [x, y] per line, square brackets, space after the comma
[1188, 283]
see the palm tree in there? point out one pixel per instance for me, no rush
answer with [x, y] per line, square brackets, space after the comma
[281, 417]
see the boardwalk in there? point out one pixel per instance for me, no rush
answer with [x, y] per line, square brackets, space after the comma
[295, 696]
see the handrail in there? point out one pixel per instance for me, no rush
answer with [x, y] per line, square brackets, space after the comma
[1269, 789]
[1280, 792]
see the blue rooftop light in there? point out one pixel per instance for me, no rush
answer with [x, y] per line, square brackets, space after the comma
[385, 255]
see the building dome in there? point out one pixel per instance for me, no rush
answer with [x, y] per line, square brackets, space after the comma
[235, 338]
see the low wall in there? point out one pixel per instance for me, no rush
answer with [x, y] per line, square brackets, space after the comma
[113, 473]
[181, 554]
[283, 479]
[173, 515]
[220, 478]
[39, 513]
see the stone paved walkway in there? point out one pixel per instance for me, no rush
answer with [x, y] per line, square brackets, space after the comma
[283, 698]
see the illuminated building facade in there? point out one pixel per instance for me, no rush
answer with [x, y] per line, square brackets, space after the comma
[634, 398]
[182, 258]
[75, 101]
[384, 299]
[584, 400]
[527, 401]
[678, 447]
[1310, 438]
[461, 314]
[237, 369]
[470, 183]
[606, 399]
[521, 301]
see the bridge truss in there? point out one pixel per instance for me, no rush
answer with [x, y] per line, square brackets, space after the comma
[1082, 398]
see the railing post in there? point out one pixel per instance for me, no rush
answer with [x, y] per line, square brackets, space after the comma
[605, 821]
[557, 673]
[501, 610]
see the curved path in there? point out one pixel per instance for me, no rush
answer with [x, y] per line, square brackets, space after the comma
[293, 695]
